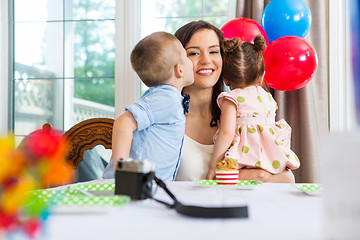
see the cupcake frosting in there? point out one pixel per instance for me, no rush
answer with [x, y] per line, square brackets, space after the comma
[227, 164]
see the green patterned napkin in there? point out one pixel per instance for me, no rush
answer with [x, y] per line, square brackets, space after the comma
[204, 182]
[310, 189]
[81, 196]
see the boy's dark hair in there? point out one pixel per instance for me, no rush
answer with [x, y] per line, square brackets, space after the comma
[154, 58]
[243, 62]
[184, 34]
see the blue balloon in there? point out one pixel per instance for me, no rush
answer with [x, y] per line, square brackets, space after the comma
[286, 18]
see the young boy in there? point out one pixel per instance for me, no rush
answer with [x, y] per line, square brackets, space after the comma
[153, 128]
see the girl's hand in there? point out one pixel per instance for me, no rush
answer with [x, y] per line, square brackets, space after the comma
[211, 174]
[264, 176]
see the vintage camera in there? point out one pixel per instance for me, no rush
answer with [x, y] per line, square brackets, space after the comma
[134, 178]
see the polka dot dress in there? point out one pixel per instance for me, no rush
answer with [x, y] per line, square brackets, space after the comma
[259, 141]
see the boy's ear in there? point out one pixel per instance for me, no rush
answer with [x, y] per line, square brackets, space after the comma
[178, 71]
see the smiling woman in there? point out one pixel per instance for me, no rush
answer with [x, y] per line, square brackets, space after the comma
[202, 43]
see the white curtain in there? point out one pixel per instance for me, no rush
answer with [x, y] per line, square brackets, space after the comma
[4, 88]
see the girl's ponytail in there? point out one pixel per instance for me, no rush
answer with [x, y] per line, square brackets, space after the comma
[259, 43]
[229, 45]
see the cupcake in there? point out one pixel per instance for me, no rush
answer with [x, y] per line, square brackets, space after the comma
[227, 172]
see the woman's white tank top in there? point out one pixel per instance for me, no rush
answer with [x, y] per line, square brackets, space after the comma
[194, 161]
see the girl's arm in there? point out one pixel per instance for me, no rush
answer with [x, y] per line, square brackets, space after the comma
[286, 176]
[225, 136]
[123, 129]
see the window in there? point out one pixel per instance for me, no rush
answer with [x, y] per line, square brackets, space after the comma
[63, 62]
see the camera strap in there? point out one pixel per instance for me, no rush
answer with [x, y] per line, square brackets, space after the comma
[202, 212]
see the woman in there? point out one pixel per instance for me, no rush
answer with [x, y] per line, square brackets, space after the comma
[201, 41]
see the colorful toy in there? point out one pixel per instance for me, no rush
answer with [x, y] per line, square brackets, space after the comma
[38, 162]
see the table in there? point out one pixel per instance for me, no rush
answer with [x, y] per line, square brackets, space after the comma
[276, 211]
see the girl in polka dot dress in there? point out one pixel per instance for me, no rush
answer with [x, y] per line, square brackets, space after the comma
[248, 132]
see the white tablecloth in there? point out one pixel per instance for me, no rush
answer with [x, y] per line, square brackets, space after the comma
[276, 211]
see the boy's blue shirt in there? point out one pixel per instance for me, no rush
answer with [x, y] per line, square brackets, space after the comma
[160, 130]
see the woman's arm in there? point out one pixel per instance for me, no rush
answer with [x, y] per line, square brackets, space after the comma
[225, 136]
[123, 129]
[286, 176]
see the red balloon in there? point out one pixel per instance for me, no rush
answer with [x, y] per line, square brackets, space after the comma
[244, 28]
[290, 63]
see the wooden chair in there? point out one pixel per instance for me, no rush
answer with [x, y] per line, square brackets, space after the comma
[86, 135]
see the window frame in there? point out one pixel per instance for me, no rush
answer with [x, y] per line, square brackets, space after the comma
[127, 34]
[5, 66]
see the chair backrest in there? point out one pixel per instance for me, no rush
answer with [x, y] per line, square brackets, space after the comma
[86, 135]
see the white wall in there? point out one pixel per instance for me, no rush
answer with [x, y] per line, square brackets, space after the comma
[4, 109]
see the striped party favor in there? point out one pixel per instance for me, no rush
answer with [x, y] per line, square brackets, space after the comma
[227, 177]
